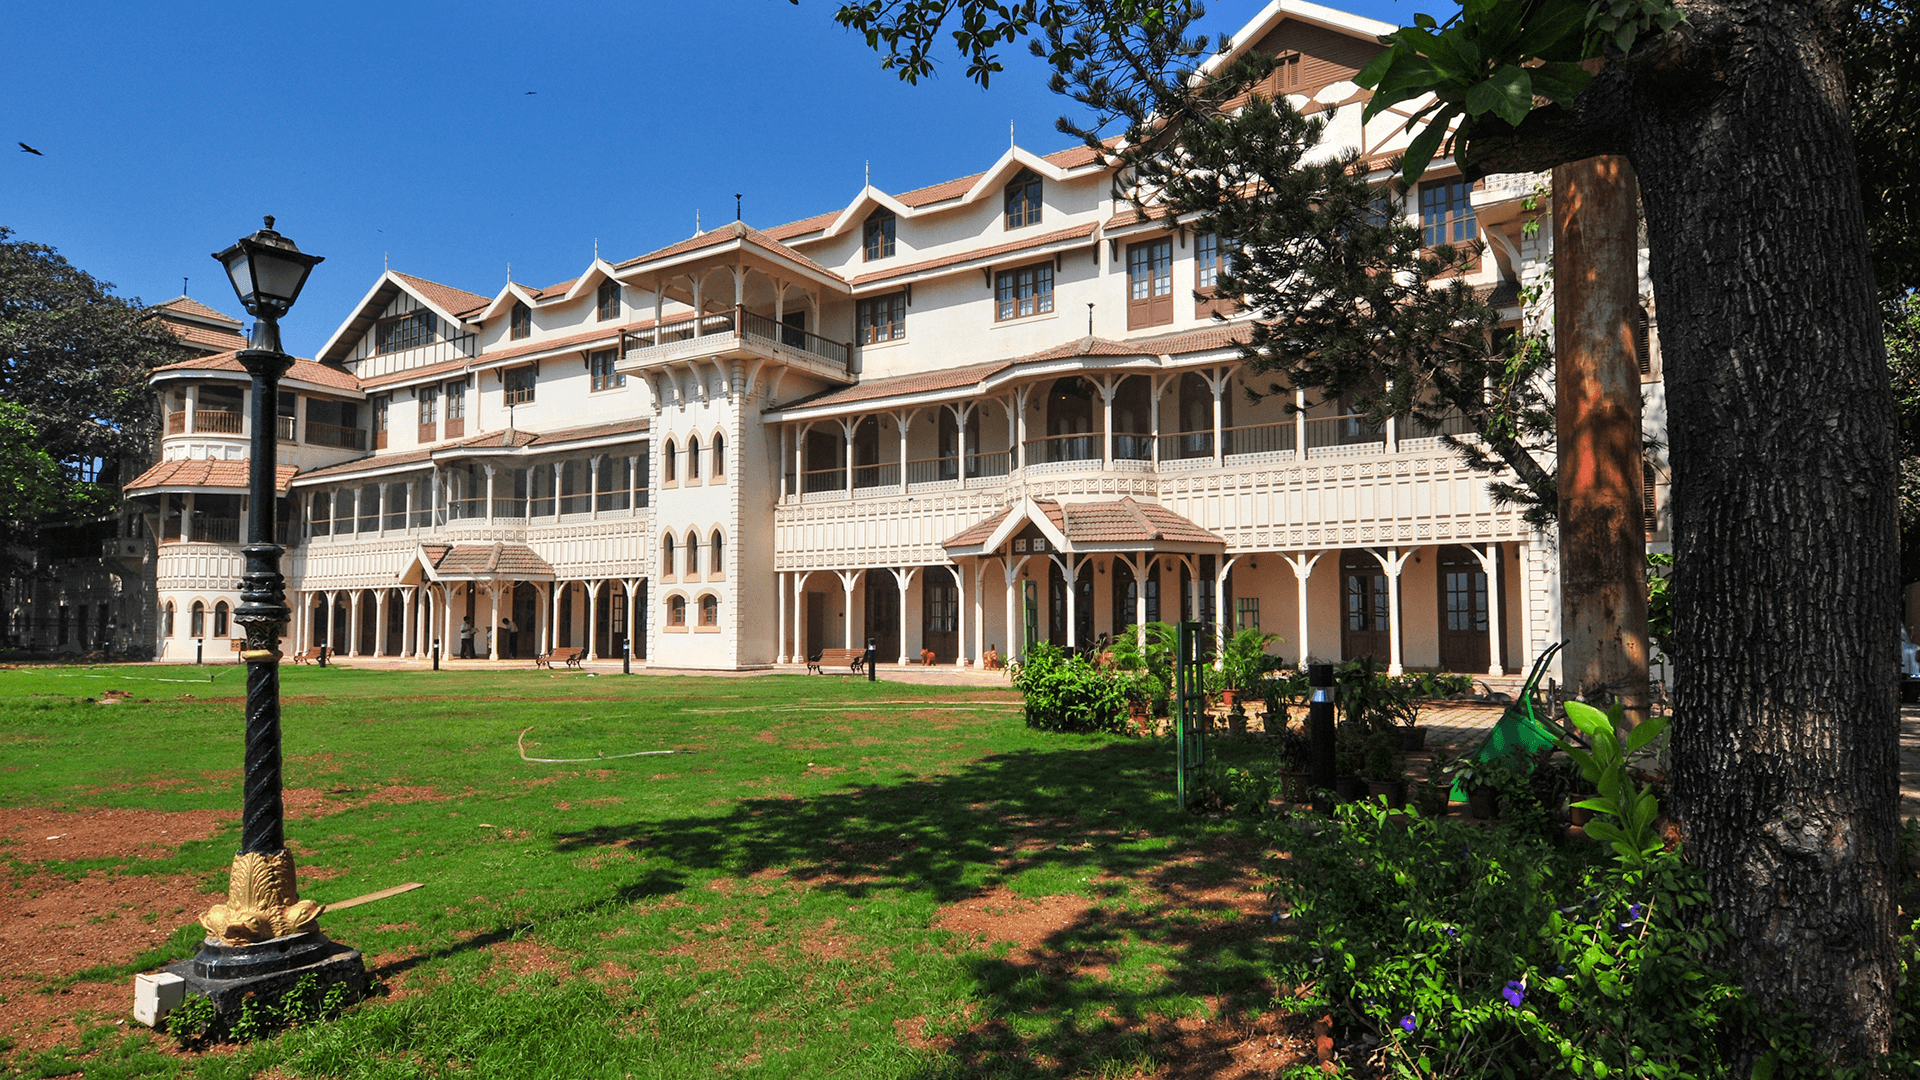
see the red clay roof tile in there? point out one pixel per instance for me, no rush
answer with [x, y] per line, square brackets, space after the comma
[200, 472]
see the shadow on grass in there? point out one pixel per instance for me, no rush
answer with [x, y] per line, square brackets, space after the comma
[1074, 819]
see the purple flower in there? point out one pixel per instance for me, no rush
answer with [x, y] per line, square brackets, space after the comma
[1636, 912]
[1515, 993]
[1453, 931]
[1408, 1023]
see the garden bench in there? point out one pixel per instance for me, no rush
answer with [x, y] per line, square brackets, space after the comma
[855, 659]
[569, 657]
[302, 656]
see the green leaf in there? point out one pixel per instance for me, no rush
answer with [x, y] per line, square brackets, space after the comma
[1648, 731]
[1588, 719]
[1508, 94]
[1420, 150]
[1552, 24]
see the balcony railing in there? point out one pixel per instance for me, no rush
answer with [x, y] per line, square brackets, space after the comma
[1128, 446]
[466, 509]
[1182, 445]
[177, 423]
[884, 474]
[509, 508]
[1350, 430]
[395, 517]
[1050, 448]
[578, 503]
[216, 530]
[1451, 423]
[747, 324]
[349, 438]
[216, 422]
[823, 480]
[1260, 439]
[422, 517]
[283, 428]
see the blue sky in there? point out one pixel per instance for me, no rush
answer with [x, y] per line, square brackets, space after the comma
[405, 131]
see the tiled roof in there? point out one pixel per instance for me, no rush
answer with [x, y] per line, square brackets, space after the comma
[734, 231]
[554, 291]
[200, 472]
[1120, 521]
[493, 560]
[457, 301]
[188, 306]
[803, 226]
[602, 330]
[304, 370]
[1499, 295]
[1127, 521]
[920, 383]
[502, 439]
[1186, 341]
[1074, 233]
[447, 367]
[206, 337]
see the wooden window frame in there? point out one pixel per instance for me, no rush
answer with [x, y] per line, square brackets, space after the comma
[602, 376]
[382, 407]
[428, 398]
[1206, 294]
[1007, 301]
[519, 322]
[517, 385]
[1456, 214]
[710, 610]
[398, 333]
[869, 331]
[456, 411]
[1022, 200]
[1155, 308]
[607, 301]
[878, 235]
[677, 613]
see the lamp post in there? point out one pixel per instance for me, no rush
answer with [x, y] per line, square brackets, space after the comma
[264, 937]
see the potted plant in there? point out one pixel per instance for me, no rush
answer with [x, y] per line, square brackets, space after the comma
[1138, 689]
[1385, 778]
[1293, 752]
[1242, 662]
[1433, 798]
[1349, 754]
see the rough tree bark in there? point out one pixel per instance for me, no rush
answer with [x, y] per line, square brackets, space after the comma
[1786, 586]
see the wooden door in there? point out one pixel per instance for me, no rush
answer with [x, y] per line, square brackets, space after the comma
[1463, 611]
[940, 615]
[1363, 614]
[883, 615]
[816, 625]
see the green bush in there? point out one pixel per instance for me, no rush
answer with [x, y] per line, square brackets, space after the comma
[1068, 693]
[1472, 952]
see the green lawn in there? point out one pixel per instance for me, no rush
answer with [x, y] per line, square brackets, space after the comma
[790, 898]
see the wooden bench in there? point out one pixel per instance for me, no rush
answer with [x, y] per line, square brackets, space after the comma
[301, 656]
[855, 659]
[569, 657]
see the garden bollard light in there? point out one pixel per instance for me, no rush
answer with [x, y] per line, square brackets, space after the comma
[626, 658]
[198, 645]
[323, 656]
[436, 654]
[871, 653]
[1320, 716]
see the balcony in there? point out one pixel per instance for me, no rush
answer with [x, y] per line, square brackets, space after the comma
[284, 428]
[347, 438]
[216, 530]
[216, 422]
[1352, 435]
[736, 331]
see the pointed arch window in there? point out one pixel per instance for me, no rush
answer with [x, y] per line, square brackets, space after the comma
[666, 556]
[716, 551]
[693, 554]
[669, 463]
[197, 620]
[520, 322]
[693, 457]
[220, 619]
[719, 456]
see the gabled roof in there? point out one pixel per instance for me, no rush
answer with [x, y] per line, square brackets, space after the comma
[198, 326]
[452, 305]
[184, 473]
[485, 562]
[504, 439]
[302, 371]
[1117, 525]
[960, 258]
[187, 307]
[1344, 22]
[736, 233]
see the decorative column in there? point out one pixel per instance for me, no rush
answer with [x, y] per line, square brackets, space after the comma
[800, 650]
[353, 624]
[380, 621]
[959, 612]
[962, 412]
[553, 622]
[1490, 564]
[593, 624]
[489, 468]
[905, 577]
[1222, 618]
[905, 419]
[979, 608]
[1300, 432]
[1302, 570]
[1070, 566]
[1010, 569]
[847, 579]
[780, 586]
[1141, 565]
[1219, 436]
[1391, 562]
[1108, 386]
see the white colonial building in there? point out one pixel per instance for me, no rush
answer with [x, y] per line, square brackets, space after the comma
[993, 410]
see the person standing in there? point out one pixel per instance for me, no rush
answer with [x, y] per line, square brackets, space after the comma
[513, 635]
[466, 638]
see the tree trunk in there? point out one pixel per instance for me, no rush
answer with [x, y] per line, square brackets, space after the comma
[1786, 587]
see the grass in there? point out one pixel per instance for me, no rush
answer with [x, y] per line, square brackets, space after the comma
[767, 902]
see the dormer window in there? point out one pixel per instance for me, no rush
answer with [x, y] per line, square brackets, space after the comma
[1023, 200]
[609, 301]
[879, 234]
[520, 323]
[409, 331]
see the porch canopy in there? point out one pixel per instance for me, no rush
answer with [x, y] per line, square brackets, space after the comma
[435, 563]
[1070, 535]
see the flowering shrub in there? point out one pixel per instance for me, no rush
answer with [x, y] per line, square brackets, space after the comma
[1445, 950]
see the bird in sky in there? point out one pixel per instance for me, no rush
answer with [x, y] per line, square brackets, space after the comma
[25, 149]
[530, 93]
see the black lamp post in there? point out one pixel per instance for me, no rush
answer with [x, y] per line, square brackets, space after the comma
[264, 937]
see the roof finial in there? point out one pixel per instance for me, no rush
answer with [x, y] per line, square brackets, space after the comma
[509, 271]
[697, 230]
[183, 285]
[1010, 143]
[386, 262]
[869, 179]
[596, 249]
[736, 206]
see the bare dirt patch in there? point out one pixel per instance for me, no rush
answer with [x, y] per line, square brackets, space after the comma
[320, 802]
[41, 835]
[1001, 916]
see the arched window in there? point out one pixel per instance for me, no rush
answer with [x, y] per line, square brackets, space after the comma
[666, 555]
[220, 619]
[709, 610]
[693, 553]
[693, 457]
[197, 620]
[877, 234]
[715, 562]
[719, 456]
[166, 621]
[667, 462]
[676, 611]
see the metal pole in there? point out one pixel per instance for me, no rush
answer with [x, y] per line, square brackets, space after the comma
[436, 654]
[1320, 715]
[199, 644]
[871, 653]
[626, 657]
[263, 605]
[323, 656]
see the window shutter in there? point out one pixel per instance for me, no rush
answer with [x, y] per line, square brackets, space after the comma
[1649, 511]
[1643, 342]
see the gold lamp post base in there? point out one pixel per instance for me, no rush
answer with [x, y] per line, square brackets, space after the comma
[263, 901]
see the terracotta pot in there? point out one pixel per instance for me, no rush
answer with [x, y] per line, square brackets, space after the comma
[1579, 815]
[1350, 788]
[1435, 806]
[1482, 801]
[1395, 792]
[1295, 787]
[1237, 723]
